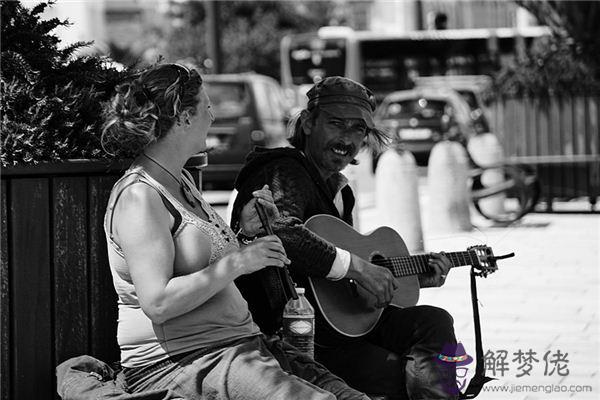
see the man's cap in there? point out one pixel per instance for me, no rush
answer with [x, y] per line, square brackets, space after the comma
[343, 98]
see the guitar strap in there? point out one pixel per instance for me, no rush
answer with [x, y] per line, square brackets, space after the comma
[479, 379]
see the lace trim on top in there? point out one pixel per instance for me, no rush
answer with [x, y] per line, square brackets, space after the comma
[220, 234]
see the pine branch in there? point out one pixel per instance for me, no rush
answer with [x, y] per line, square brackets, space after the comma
[51, 100]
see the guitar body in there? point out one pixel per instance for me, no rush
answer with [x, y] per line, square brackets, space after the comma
[346, 306]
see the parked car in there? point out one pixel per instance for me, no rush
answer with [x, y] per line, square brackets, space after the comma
[250, 110]
[471, 88]
[421, 117]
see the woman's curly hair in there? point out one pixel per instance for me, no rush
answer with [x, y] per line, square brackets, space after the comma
[146, 106]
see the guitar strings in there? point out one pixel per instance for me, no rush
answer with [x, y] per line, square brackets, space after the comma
[411, 265]
[457, 258]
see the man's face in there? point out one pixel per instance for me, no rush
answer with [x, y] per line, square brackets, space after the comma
[332, 142]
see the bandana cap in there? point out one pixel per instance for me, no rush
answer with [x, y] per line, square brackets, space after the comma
[344, 98]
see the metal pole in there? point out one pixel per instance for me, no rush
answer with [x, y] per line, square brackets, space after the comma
[213, 35]
[419, 15]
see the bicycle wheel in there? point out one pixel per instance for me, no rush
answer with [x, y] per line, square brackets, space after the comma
[520, 183]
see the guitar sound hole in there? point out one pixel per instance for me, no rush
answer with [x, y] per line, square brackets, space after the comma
[377, 259]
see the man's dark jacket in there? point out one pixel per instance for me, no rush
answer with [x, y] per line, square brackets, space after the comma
[299, 192]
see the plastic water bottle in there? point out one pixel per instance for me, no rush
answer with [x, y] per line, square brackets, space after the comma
[299, 324]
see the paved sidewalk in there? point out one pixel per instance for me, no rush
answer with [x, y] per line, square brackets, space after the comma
[544, 299]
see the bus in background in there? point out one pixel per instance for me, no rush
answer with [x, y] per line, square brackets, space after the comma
[387, 62]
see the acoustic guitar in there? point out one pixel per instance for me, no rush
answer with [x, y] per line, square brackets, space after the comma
[348, 307]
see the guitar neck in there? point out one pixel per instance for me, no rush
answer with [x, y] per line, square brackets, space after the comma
[418, 264]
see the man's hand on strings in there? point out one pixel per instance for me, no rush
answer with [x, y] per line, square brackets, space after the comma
[377, 280]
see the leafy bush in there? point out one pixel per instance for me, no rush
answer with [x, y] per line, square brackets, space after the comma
[51, 100]
[565, 64]
[549, 69]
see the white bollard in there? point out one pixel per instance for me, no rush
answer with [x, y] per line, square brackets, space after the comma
[397, 196]
[364, 171]
[486, 151]
[449, 197]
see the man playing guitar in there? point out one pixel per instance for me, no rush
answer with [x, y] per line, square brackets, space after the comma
[396, 355]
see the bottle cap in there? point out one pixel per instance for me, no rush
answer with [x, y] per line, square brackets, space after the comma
[300, 290]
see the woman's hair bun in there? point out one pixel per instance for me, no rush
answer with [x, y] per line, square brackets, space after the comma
[145, 107]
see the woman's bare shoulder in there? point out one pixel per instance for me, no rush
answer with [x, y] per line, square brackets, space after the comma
[138, 204]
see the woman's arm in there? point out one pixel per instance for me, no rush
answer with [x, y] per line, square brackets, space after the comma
[142, 230]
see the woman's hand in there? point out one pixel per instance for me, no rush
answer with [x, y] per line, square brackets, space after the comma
[249, 219]
[263, 252]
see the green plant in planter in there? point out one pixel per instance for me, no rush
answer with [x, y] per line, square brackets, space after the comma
[51, 106]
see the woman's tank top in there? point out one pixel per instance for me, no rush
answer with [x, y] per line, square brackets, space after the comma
[223, 318]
